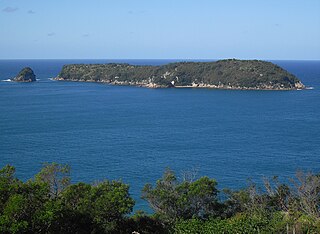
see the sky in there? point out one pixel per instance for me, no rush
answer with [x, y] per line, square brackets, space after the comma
[163, 29]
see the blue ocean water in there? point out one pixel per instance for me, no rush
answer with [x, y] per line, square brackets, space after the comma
[133, 133]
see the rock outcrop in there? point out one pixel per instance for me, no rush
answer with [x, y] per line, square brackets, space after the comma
[25, 75]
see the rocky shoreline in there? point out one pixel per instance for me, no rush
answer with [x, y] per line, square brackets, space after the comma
[298, 85]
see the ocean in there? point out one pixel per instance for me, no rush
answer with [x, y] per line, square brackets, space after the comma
[134, 134]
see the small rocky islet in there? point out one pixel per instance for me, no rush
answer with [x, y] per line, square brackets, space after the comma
[25, 75]
[222, 74]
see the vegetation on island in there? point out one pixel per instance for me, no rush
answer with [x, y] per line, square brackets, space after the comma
[226, 74]
[25, 75]
[49, 203]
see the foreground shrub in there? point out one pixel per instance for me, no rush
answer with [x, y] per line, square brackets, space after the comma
[49, 204]
[172, 199]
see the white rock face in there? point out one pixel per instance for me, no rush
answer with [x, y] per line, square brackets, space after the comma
[299, 85]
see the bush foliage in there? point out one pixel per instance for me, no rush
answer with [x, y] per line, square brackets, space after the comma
[49, 203]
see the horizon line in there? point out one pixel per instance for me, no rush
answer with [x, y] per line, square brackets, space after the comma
[213, 59]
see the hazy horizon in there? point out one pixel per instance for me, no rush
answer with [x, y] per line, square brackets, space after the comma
[265, 30]
[173, 59]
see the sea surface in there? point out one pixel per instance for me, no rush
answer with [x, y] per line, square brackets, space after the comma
[133, 134]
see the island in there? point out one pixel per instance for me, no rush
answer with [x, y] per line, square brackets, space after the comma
[222, 74]
[25, 75]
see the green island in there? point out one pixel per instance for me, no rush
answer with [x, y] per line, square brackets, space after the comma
[50, 203]
[25, 75]
[222, 74]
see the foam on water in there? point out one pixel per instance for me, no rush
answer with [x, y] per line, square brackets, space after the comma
[310, 87]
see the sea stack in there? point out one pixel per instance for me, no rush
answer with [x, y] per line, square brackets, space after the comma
[25, 75]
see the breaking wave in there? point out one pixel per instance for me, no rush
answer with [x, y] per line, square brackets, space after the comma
[310, 87]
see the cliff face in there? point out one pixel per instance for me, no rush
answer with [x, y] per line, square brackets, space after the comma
[25, 75]
[227, 74]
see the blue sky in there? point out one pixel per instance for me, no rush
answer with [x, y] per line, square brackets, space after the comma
[186, 29]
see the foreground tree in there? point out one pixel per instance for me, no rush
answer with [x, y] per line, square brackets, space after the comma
[56, 176]
[307, 190]
[49, 204]
[172, 199]
[7, 183]
[21, 202]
